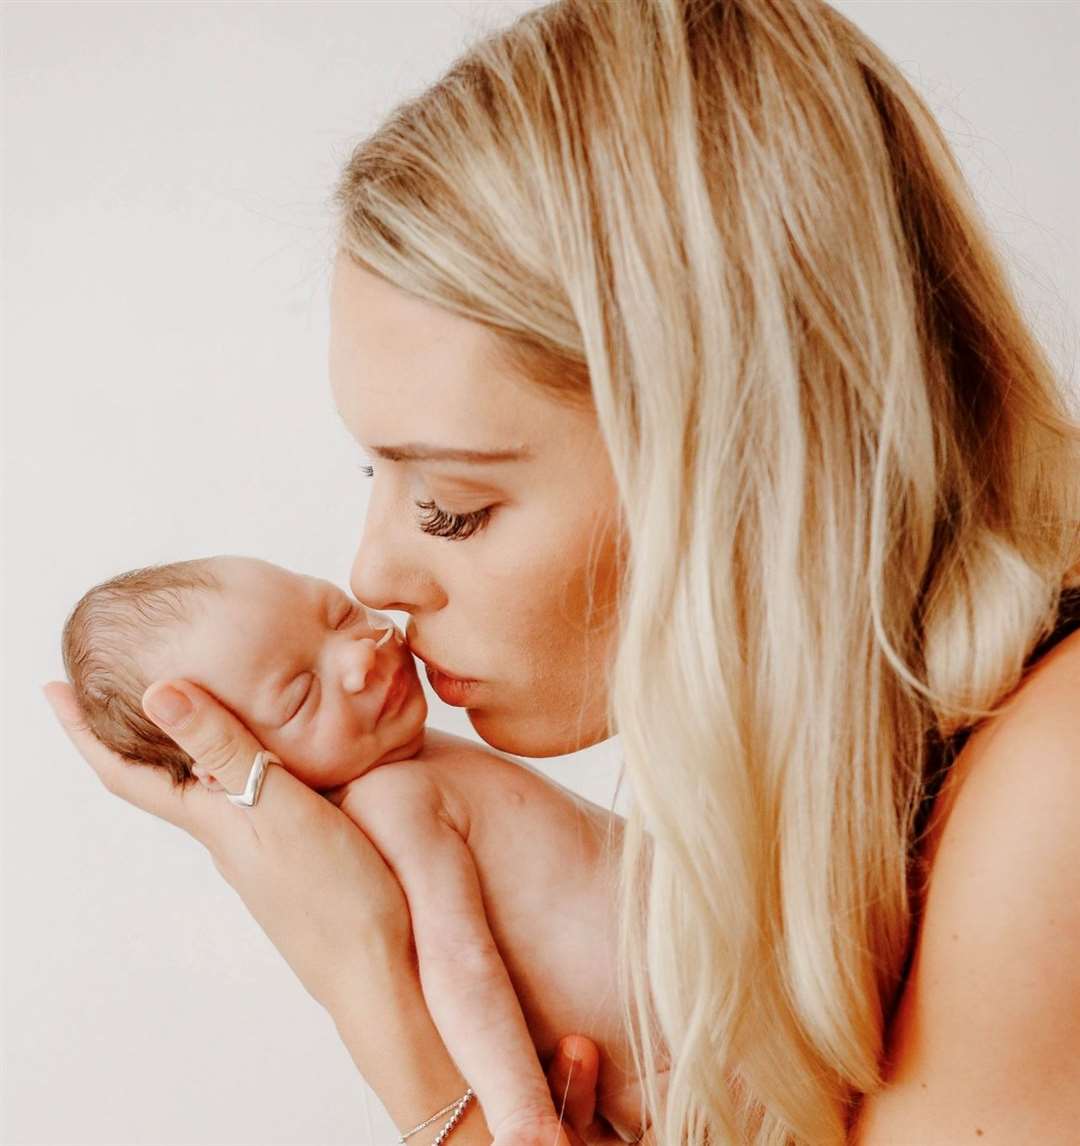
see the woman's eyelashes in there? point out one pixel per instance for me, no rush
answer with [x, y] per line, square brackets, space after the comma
[454, 526]
[441, 522]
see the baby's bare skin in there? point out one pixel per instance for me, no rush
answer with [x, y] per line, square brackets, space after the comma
[547, 860]
[510, 878]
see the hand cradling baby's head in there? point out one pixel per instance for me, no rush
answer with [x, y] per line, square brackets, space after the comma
[319, 679]
[104, 643]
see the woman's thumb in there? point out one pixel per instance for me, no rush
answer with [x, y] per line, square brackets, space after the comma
[572, 1076]
[218, 743]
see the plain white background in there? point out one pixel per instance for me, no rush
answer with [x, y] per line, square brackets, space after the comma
[166, 253]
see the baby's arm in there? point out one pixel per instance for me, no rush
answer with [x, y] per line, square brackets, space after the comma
[465, 982]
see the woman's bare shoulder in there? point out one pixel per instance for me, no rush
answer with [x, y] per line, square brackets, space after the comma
[985, 1041]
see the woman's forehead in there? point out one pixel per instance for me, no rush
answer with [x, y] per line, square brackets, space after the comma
[411, 377]
[388, 345]
[432, 383]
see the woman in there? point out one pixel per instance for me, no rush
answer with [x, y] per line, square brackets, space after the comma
[788, 496]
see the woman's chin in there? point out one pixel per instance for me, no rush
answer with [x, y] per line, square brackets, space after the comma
[532, 737]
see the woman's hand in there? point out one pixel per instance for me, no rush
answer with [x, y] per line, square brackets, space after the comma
[311, 878]
[572, 1075]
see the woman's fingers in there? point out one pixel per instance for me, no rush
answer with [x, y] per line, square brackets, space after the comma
[307, 873]
[572, 1076]
[151, 789]
[221, 746]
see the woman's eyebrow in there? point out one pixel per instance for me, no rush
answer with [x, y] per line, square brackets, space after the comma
[423, 452]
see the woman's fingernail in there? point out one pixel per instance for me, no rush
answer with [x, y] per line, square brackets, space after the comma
[169, 705]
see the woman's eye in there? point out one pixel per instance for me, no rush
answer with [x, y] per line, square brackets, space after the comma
[441, 522]
[453, 526]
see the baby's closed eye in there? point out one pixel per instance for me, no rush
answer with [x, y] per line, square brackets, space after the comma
[302, 694]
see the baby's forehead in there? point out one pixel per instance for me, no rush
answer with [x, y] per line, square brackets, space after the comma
[243, 573]
[263, 586]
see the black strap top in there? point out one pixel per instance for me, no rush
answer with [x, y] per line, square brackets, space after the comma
[1068, 619]
[941, 753]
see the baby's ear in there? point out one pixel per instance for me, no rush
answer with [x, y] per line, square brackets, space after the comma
[206, 780]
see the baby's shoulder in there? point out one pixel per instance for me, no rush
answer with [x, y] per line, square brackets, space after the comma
[439, 744]
[446, 757]
[476, 782]
[449, 777]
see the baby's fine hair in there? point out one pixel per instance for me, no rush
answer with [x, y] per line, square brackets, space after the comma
[101, 642]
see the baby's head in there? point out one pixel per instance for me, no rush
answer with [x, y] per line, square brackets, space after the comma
[301, 663]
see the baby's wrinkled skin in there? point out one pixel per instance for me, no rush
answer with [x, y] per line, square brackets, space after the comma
[469, 832]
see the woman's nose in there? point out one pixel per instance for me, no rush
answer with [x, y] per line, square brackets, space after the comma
[358, 659]
[384, 573]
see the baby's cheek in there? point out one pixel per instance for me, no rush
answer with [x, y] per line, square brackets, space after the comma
[293, 756]
[311, 772]
[332, 759]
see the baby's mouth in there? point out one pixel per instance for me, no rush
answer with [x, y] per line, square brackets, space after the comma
[394, 695]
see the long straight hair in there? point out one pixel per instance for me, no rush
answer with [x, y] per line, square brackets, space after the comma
[848, 474]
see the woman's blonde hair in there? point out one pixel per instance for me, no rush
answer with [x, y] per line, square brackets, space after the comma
[848, 475]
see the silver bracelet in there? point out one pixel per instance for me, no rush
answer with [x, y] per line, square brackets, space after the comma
[458, 1108]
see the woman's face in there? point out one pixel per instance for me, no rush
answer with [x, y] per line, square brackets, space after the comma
[497, 565]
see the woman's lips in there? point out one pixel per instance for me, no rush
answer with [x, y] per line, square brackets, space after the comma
[453, 690]
[429, 663]
[450, 689]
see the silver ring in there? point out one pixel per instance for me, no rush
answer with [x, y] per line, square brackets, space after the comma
[254, 784]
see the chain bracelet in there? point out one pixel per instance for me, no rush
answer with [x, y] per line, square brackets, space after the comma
[429, 1121]
[454, 1118]
[458, 1105]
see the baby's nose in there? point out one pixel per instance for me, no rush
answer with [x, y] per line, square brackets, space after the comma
[360, 659]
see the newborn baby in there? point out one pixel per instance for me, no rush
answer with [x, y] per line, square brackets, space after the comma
[491, 854]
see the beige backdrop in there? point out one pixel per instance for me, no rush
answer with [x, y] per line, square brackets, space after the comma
[165, 256]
